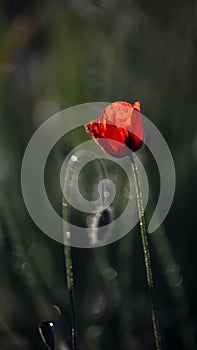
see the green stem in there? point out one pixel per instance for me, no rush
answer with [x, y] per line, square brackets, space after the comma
[69, 268]
[68, 187]
[147, 259]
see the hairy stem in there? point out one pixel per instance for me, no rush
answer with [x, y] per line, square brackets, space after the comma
[147, 259]
[69, 267]
[67, 234]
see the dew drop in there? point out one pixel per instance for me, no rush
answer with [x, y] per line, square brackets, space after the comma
[106, 194]
[68, 234]
[74, 158]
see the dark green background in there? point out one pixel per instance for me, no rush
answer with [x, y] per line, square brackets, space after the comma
[56, 54]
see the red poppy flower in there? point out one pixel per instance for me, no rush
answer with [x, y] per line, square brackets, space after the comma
[119, 128]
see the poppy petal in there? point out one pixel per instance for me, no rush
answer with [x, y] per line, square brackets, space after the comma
[119, 128]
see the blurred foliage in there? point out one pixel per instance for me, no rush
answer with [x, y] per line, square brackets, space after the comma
[56, 54]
